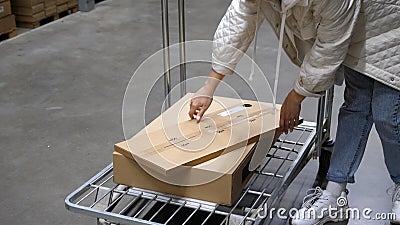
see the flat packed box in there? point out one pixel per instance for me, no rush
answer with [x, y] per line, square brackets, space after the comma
[224, 189]
[5, 8]
[25, 3]
[72, 3]
[32, 18]
[62, 7]
[218, 170]
[7, 24]
[50, 10]
[28, 11]
[172, 140]
[60, 2]
[49, 3]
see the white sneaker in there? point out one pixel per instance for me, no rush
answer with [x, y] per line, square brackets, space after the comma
[320, 206]
[396, 205]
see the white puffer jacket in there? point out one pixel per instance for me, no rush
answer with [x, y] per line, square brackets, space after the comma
[318, 37]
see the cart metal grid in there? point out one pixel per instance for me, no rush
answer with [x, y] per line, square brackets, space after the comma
[118, 204]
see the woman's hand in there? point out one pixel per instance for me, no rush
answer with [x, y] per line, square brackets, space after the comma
[290, 111]
[203, 97]
[200, 102]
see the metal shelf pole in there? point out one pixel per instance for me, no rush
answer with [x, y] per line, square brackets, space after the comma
[320, 126]
[165, 34]
[182, 52]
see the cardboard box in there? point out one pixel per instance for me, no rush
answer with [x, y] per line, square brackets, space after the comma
[7, 24]
[33, 18]
[49, 3]
[50, 11]
[223, 190]
[25, 3]
[228, 125]
[72, 3]
[5, 9]
[217, 178]
[62, 8]
[28, 11]
[60, 2]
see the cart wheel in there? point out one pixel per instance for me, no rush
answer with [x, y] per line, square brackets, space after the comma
[324, 162]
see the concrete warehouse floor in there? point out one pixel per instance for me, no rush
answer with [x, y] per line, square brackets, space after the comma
[61, 92]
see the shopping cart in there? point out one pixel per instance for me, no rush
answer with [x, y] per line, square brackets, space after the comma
[111, 203]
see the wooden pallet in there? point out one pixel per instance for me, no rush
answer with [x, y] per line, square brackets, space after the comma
[8, 35]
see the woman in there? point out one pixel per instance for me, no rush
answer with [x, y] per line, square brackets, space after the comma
[320, 36]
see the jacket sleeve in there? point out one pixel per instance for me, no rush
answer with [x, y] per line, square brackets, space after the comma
[234, 34]
[317, 73]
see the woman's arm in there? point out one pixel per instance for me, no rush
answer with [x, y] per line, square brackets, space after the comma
[232, 38]
[318, 69]
[234, 35]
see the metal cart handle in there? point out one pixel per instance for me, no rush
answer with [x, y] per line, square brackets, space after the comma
[182, 52]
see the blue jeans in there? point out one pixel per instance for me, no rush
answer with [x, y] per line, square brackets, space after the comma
[366, 101]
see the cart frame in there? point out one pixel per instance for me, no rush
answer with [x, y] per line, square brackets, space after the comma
[99, 197]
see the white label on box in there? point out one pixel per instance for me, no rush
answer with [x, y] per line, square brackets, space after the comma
[1, 9]
[231, 111]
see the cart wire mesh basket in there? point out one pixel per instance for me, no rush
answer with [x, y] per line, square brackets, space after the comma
[119, 204]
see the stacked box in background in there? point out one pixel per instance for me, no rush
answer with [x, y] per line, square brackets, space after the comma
[62, 5]
[73, 5]
[50, 7]
[33, 13]
[7, 21]
[28, 13]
